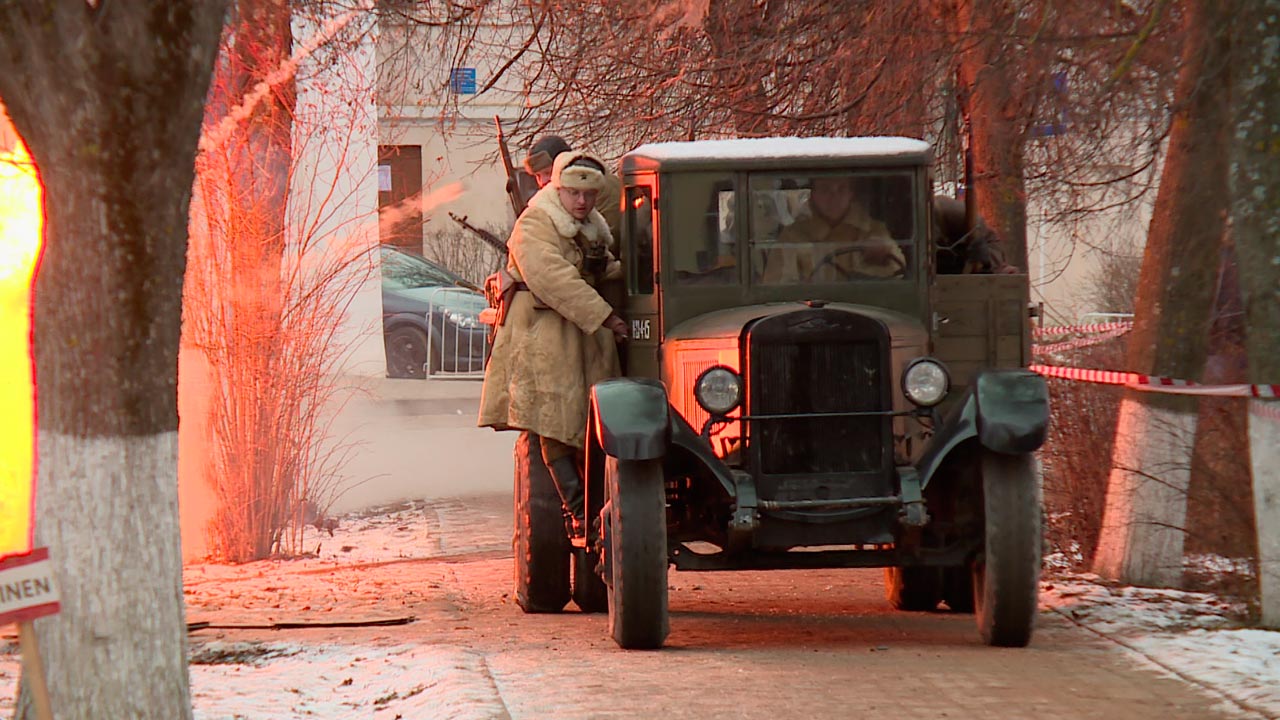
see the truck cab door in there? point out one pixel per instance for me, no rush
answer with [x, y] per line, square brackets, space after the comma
[640, 243]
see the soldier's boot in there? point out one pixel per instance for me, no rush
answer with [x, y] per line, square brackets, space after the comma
[564, 472]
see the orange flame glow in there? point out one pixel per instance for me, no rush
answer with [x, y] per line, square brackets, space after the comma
[20, 228]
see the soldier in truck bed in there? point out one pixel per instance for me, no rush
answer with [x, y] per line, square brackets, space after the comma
[965, 251]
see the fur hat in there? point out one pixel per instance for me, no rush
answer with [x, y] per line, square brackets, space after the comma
[577, 170]
[544, 153]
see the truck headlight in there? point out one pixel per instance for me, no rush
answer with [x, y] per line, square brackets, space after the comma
[718, 390]
[925, 382]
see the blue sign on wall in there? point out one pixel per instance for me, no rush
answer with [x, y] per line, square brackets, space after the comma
[1059, 125]
[462, 81]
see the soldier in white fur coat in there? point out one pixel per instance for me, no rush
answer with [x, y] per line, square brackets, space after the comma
[559, 337]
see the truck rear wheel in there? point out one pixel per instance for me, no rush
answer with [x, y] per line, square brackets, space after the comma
[541, 548]
[1006, 574]
[914, 589]
[636, 552]
[957, 588]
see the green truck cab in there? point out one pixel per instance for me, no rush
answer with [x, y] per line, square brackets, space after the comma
[803, 391]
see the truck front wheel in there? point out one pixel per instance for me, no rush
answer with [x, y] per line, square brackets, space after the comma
[636, 552]
[1006, 573]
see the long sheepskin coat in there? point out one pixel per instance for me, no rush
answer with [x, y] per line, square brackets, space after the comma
[553, 346]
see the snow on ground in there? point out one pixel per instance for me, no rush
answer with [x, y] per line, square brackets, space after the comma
[340, 682]
[1196, 636]
[234, 681]
[400, 531]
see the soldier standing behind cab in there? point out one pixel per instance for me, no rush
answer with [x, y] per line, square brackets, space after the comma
[558, 337]
[541, 159]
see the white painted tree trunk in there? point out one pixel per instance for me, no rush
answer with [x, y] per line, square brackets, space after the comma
[1264, 444]
[129, 82]
[1145, 515]
[1255, 191]
[107, 510]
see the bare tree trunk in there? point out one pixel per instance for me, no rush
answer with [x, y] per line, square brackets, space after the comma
[109, 99]
[1255, 218]
[993, 106]
[1143, 526]
[255, 491]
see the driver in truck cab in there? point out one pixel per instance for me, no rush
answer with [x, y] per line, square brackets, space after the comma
[838, 240]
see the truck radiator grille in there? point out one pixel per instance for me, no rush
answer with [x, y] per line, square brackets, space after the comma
[839, 371]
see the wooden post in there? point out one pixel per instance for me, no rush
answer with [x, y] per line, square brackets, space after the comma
[33, 670]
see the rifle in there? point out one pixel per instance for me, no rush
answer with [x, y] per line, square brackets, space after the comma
[514, 191]
[489, 238]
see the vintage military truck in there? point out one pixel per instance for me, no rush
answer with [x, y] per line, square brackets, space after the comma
[797, 400]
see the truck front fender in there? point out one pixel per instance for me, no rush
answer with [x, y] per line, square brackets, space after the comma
[692, 448]
[630, 418]
[1013, 410]
[1007, 411]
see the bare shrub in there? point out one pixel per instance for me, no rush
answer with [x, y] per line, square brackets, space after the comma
[1077, 454]
[464, 253]
[1112, 283]
[265, 298]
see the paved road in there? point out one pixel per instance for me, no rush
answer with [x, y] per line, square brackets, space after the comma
[743, 645]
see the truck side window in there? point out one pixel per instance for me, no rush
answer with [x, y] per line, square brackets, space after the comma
[640, 240]
[706, 207]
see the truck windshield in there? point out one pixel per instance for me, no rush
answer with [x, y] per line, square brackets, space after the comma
[832, 227]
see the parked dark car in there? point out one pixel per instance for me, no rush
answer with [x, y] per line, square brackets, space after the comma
[413, 289]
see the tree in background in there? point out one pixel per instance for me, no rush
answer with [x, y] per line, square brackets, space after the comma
[1143, 525]
[1255, 221]
[270, 281]
[109, 98]
[994, 104]
[236, 300]
[1050, 115]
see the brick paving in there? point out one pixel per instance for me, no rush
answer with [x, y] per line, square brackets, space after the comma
[743, 645]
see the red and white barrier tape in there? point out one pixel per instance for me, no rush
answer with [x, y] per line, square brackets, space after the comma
[1156, 383]
[1047, 348]
[1081, 329]
[1265, 410]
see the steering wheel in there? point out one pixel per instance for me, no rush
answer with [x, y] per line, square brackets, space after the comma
[846, 274]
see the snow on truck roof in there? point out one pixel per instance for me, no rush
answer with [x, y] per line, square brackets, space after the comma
[782, 149]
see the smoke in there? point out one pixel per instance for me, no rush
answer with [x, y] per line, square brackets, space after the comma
[407, 208]
[287, 70]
